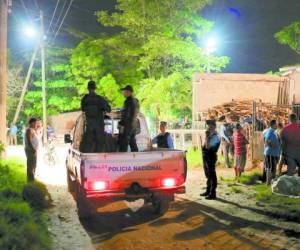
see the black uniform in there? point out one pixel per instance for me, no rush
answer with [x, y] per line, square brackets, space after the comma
[94, 107]
[130, 124]
[210, 159]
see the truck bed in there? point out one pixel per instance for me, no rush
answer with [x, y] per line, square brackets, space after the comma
[148, 169]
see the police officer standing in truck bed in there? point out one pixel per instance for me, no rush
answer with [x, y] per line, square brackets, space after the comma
[94, 107]
[129, 125]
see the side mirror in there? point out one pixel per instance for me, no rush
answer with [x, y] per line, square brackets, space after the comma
[67, 138]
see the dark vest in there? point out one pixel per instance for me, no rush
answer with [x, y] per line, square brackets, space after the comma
[162, 140]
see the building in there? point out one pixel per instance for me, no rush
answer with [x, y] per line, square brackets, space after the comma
[210, 90]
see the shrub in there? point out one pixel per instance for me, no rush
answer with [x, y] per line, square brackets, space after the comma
[22, 225]
[36, 194]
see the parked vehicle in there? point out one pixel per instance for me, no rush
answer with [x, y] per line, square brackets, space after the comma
[97, 179]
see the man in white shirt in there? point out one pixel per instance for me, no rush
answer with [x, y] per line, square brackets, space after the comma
[31, 147]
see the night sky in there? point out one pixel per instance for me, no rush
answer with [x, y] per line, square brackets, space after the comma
[244, 28]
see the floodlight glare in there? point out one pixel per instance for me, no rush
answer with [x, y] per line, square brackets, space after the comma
[30, 31]
[210, 45]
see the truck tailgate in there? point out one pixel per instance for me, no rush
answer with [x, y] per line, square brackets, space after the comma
[121, 170]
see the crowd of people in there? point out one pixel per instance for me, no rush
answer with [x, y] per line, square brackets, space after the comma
[281, 147]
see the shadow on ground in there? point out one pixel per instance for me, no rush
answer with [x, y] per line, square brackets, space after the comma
[186, 224]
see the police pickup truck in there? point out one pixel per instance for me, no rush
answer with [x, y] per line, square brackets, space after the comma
[97, 179]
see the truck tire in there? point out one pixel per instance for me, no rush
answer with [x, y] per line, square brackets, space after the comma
[84, 210]
[161, 204]
[71, 184]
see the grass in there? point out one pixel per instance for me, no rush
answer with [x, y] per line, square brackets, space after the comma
[251, 178]
[22, 222]
[276, 205]
[248, 178]
[236, 189]
[283, 206]
[194, 158]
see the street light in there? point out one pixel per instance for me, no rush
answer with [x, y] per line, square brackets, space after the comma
[30, 31]
[210, 47]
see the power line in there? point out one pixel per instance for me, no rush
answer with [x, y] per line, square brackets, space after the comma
[36, 5]
[60, 14]
[26, 10]
[67, 11]
[54, 12]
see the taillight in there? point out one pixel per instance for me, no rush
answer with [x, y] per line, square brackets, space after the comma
[169, 182]
[96, 185]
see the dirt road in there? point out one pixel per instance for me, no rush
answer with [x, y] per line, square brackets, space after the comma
[191, 222]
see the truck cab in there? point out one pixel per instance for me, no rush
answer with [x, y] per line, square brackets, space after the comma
[96, 179]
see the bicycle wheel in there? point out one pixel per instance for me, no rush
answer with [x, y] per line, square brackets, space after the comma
[49, 159]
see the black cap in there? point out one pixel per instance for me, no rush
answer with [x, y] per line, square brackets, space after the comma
[128, 87]
[91, 85]
[162, 123]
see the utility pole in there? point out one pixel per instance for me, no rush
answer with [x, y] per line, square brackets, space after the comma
[42, 37]
[3, 69]
[25, 86]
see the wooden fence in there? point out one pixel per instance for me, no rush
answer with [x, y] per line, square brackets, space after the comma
[186, 138]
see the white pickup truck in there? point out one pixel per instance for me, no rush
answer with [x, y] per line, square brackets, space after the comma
[97, 179]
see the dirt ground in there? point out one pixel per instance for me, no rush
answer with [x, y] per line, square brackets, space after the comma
[233, 221]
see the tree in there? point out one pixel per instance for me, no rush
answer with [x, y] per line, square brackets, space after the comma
[61, 89]
[165, 35]
[14, 85]
[110, 62]
[290, 35]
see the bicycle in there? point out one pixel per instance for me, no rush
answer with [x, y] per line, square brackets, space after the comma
[50, 157]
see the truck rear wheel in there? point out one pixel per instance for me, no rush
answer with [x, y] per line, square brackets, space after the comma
[84, 210]
[161, 204]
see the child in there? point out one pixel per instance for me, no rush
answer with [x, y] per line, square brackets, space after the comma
[240, 151]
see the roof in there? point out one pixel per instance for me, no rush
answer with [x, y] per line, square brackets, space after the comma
[237, 77]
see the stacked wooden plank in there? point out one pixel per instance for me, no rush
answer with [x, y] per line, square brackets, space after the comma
[242, 109]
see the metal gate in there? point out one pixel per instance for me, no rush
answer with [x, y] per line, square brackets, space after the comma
[296, 110]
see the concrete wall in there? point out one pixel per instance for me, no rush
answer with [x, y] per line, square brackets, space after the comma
[63, 123]
[210, 90]
[295, 86]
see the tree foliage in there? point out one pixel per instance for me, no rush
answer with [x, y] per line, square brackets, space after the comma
[14, 88]
[61, 89]
[290, 35]
[110, 61]
[165, 35]
[156, 49]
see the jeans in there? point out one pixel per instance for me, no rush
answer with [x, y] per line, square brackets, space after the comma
[293, 163]
[270, 163]
[227, 148]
